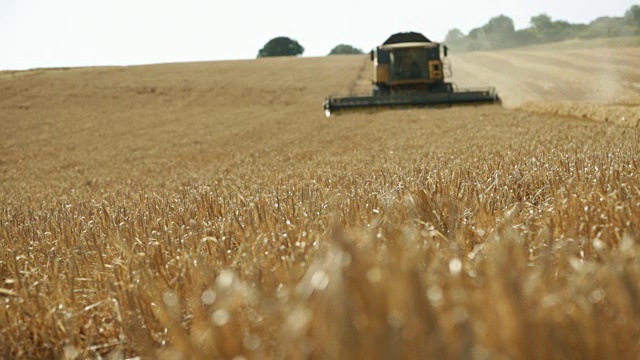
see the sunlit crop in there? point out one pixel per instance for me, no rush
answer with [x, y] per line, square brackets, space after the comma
[148, 225]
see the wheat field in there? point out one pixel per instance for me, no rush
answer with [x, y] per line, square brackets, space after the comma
[210, 210]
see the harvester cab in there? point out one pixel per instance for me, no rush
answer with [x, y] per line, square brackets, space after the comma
[410, 70]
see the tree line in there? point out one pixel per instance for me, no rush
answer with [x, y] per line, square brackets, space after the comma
[284, 46]
[500, 31]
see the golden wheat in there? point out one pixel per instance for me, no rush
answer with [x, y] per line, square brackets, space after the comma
[265, 231]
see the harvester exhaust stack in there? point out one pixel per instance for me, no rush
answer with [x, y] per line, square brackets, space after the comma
[408, 72]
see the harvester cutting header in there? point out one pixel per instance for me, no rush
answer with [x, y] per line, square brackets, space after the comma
[408, 70]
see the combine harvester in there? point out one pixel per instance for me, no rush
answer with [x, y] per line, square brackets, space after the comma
[408, 71]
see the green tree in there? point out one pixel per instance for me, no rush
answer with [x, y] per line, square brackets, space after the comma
[524, 37]
[547, 30]
[541, 23]
[632, 16]
[454, 36]
[281, 46]
[458, 41]
[606, 27]
[500, 25]
[499, 32]
[344, 49]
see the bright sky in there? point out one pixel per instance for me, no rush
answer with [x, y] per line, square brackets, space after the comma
[47, 33]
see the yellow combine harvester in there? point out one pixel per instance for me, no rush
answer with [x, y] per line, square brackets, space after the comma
[409, 71]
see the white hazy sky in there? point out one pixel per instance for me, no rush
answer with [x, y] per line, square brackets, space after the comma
[48, 33]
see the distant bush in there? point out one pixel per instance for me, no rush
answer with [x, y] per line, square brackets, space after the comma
[281, 46]
[344, 49]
